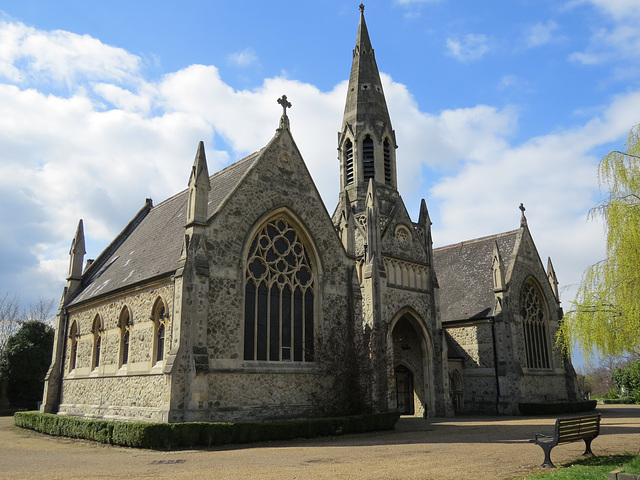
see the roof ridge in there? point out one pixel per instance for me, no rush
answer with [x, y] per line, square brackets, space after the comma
[211, 177]
[477, 240]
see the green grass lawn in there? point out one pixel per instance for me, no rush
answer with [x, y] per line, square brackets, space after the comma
[592, 468]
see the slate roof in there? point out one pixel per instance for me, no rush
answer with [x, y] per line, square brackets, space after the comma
[149, 246]
[465, 275]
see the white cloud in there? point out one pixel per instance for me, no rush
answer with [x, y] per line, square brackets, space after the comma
[468, 48]
[621, 41]
[244, 58]
[541, 33]
[619, 9]
[59, 56]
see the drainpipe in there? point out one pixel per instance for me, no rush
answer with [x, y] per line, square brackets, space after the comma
[495, 363]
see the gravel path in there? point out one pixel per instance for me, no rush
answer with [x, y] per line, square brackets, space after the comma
[460, 448]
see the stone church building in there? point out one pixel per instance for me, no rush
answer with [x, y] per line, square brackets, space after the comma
[241, 298]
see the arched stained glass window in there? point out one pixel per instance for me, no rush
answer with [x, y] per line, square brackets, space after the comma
[279, 296]
[534, 321]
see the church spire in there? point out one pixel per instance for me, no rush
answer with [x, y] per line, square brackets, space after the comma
[367, 140]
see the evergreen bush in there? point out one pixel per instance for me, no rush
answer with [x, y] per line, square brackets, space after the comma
[199, 434]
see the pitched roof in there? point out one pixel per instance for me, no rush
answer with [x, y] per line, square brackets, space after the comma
[150, 245]
[465, 275]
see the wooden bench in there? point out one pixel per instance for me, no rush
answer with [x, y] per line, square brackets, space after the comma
[569, 430]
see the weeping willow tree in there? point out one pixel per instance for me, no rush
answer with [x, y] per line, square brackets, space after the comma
[605, 317]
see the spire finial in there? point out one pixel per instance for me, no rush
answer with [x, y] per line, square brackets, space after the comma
[285, 104]
[284, 120]
[523, 219]
[362, 8]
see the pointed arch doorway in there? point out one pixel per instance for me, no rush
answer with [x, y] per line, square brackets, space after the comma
[412, 368]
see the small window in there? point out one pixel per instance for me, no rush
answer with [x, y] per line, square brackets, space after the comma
[368, 160]
[125, 335]
[73, 346]
[348, 162]
[159, 329]
[160, 337]
[387, 162]
[97, 342]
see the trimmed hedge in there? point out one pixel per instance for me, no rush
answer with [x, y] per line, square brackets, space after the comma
[199, 434]
[557, 407]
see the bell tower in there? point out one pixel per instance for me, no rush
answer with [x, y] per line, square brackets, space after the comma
[366, 142]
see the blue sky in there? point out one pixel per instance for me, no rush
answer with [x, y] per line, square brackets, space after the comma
[494, 103]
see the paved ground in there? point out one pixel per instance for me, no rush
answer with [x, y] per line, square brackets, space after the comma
[461, 448]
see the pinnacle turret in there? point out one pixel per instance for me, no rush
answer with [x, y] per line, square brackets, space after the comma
[199, 187]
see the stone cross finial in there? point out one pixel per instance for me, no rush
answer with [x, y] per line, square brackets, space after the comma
[362, 7]
[285, 104]
[284, 120]
[523, 219]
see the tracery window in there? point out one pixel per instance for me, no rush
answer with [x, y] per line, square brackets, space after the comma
[279, 296]
[368, 160]
[159, 329]
[125, 335]
[534, 316]
[387, 161]
[348, 157]
[97, 342]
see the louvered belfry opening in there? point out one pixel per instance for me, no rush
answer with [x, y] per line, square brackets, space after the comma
[348, 162]
[368, 159]
[387, 162]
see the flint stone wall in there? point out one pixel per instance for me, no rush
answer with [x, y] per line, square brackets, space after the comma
[133, 391]
[135, 397]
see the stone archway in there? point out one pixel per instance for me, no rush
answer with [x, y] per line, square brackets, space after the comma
[412, 369]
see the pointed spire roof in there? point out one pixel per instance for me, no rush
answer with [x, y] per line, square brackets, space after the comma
[200, 169]
[76, 254]
[77, 244]
[365, 97]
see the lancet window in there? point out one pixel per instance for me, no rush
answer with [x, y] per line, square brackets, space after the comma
[279, 296]
[125, 335]
[159, 328]
[73, 346]
[534, 320]
[97, 342]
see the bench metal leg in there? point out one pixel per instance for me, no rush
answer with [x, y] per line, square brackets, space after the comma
[547, 456]
[587, 444]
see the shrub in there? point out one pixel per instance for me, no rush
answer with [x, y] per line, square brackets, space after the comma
[199, 434]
